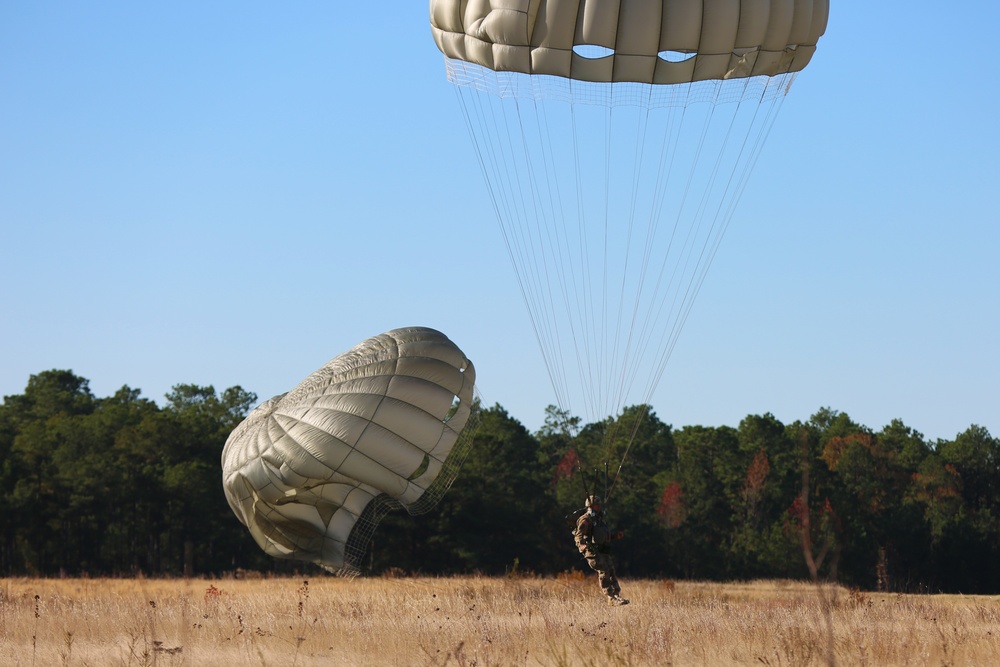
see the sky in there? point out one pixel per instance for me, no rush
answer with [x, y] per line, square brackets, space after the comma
[234, 193]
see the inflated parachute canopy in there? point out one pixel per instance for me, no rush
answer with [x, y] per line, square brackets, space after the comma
[385, 425]
[640, 41]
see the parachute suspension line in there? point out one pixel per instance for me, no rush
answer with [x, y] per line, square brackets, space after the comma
[699, 243]
[624, 336]
[734, 194]
[540, 303]
[742, 181]
[586, 370]
[736, 191]
[583, 306]
[683, 238]
[556, 354]
[670, 336]
[640, 333]
[530, 264]
[701, 215]
[761, 139]
[577, 304]
[479, 150]
[602, 357]
[626, 354]
[487, 154]
[558, 234]
[682, 274]
[539, 261]
[673, 132]
[665, 167]
[622, 351]
[738, 181]
[639, 419]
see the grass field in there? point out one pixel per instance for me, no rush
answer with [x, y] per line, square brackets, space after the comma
[482, 621]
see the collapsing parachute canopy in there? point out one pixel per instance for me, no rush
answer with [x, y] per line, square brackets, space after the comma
[385, 425]
[616, 138]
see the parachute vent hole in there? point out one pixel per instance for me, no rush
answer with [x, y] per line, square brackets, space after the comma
[592, 51]
[421, 469]
[676, 56]
[455, 404]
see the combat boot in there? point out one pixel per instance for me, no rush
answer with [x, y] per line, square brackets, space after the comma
[617, 601]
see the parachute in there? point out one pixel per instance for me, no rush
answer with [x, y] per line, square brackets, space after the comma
[382, 426]
[616, 138]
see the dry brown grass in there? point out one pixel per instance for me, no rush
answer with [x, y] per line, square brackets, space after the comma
[479, 621]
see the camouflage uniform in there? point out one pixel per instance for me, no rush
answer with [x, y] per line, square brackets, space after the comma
[593, 539]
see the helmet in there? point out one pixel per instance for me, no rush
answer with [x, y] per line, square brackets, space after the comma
[593, 500]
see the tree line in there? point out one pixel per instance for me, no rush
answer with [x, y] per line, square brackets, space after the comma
[123, 486]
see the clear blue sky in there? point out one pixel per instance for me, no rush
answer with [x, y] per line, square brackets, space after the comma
[233, 193]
